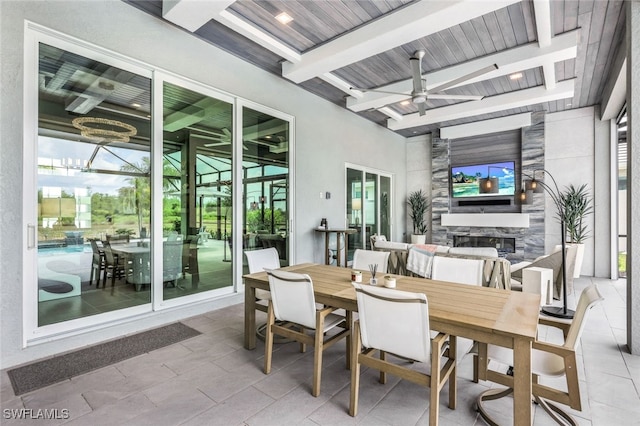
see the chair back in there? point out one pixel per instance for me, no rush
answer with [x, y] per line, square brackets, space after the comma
[109, 257]
[363, 258]
[98, 251]
[588, 299]
[292, 297]
[457, 270]
[171, 260]
[394, 321]
[259, 260]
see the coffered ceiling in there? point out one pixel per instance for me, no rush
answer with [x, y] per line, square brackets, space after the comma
[551, 55]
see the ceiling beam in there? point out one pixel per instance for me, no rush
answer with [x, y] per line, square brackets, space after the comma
[192, 14]
[405, 25]
[521, 58]
[542, 11]
[517, 99]
[258, 36]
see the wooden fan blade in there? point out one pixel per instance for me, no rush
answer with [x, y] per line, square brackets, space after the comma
[455, 97]
[465, 78]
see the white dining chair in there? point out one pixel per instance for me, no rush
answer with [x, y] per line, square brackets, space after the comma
[462, 271]
[363, 258]
[457, 270]
[258, 261]
[293, 304]
[547, 360]
[397, 323]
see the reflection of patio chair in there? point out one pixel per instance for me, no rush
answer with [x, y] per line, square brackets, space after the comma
[190, 258]
[98, 262]
[203, 235]
[171, 261]
[113, 266]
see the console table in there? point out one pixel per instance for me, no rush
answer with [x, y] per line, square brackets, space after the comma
[338, 232]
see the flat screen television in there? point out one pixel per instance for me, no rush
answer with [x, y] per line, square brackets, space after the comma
[480, 180]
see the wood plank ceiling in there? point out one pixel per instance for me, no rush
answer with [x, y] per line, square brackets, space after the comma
[564, 51]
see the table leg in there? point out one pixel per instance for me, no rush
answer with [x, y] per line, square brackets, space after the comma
[326, 249]
[522, 382]
[249, 317]
[338, 249]
[346, 249]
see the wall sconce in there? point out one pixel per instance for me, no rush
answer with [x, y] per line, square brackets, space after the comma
[534, 185]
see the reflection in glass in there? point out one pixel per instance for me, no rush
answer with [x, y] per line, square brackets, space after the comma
[197, 185]
[94, 187]
[265, 165]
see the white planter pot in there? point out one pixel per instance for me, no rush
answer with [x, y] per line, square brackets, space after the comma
[418, 239]
[579, 259]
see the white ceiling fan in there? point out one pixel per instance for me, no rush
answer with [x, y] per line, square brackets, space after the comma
[419, 94]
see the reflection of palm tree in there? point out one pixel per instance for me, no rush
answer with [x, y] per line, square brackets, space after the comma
[141, 186]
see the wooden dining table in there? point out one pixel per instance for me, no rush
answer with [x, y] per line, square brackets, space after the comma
[486, 315]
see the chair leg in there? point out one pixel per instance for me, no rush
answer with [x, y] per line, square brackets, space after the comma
[268, 339]
[490, 395]
[558, 414]
[355, 369]
[434, 397]
[383, 374]
[317, 355]
[453, 384]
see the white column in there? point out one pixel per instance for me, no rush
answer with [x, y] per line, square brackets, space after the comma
[633, 165]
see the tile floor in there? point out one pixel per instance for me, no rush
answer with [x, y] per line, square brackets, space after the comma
[212, 380]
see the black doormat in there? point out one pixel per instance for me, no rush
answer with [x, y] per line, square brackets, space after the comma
[57, 369]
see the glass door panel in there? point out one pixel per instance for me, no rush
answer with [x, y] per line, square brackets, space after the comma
[354, 210]
[265, 168]
[368, 207]
[93, 186]
[385, 206]
[371, 201]
[197, 185]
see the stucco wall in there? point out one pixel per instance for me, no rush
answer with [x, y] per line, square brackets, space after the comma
[570, 142]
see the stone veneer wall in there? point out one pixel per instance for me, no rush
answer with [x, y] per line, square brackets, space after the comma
[529, 241]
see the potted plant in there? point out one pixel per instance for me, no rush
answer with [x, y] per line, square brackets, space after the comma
[418, 205]
[576, 205]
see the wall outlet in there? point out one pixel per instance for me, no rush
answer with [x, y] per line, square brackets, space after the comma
[321, 194]
[328, 195]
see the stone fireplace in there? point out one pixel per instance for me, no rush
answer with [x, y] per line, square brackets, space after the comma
[524, 239]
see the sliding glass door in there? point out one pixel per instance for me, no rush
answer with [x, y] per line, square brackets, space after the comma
[265, 170]
[146, 188]
[197, 181]
[368, 195]
[93, 185]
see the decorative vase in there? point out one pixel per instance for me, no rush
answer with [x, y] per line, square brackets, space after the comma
[418, 239]
[579, 258]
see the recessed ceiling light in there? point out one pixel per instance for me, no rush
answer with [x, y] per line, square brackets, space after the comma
[136, 105]
[569, 104]
[516, 76]
[405, 102]
[284, 18]
[268, 137]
